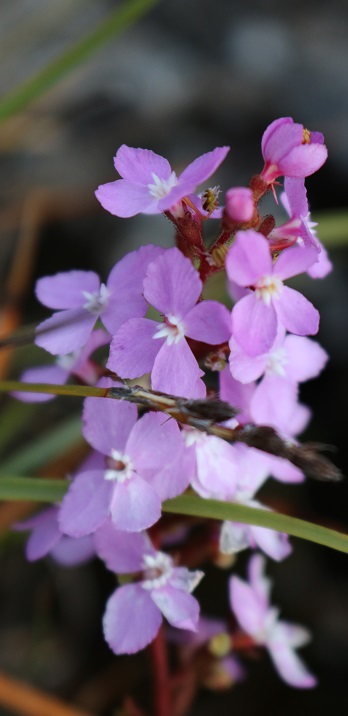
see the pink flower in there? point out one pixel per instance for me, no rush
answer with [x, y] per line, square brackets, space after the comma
[256, 316]
[301, 228]
[81, 299]
[173, 287]
[148, 184]
[291, 150]
[134, 611]
[250, 604]
[142, 468]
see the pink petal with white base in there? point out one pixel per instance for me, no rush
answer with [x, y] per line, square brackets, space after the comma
[131, 620]
[65, 290]
[135, 505]
[133, 349]
[179, 608]
[296, 313]
[124, 198]
[209, 322]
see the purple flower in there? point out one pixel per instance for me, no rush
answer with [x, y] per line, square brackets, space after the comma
[47, 539]
[148, 184]
[142, 468]
[76, 363]
[82, 299]
[291, 150]
[134, 612]
[173, 287]
[250, 604]
[256, 316]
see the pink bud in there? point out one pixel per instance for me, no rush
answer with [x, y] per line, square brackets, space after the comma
[240, 204]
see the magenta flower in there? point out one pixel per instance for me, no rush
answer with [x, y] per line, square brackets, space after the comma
[291, 150]
[250, 604]
[47, 539]
[148, 184]
[82, 299]
[173, 287]
[142, 468]
[134, 612]
[77, 364]
[256, 316]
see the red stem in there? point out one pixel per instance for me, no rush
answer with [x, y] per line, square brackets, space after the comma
[161, 675]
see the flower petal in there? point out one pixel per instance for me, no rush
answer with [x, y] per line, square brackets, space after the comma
[134, 348]
[131, 620]
[176, 371]
[135, 505]
[203, 167]
[254, 325]
[65, 331]
[249, 258]
[210, 322]
[172, 285]
[125, 198]
[178, 607]
[138, 165]
[65, 290]
[122, 552]
[296, 313]
[86, 505]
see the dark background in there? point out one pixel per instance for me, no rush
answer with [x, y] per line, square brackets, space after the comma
[192, 75]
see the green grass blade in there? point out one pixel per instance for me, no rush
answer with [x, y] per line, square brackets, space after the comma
[31, 488]
[45, 490]
[128, 13]
[52, 443]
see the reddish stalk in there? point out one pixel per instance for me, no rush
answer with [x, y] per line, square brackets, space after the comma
[158, 650]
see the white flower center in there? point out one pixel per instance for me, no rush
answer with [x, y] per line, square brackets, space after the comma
[96, 302]
[158, 569]
[193, 437]
[268, 287]
[172, 329]
[120, 467]
[67, 361]
[161, 187]
[277, 361]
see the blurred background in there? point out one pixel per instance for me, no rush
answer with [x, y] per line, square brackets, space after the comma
[186, 77]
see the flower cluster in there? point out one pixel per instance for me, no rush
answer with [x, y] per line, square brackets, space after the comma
[254, 357]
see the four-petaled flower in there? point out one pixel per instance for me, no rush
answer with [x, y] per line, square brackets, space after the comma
[149, 185]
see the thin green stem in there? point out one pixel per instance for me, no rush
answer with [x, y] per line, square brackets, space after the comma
[125, 15]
